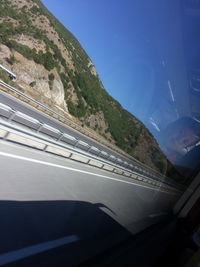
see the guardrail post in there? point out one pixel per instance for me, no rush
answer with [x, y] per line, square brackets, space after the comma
[88, 149]
[76, 143]
[60, 137]
[99, 153]
[40, 127]
[12, 116]
[6, 135]
[45, 148]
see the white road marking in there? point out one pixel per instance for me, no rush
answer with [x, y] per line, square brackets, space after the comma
[76, 170]
[22, 253]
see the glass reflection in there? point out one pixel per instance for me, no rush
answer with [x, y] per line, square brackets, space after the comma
[173, 116]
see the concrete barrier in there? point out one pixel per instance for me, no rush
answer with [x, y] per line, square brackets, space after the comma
[96, 163]
[2, 133]
[58, 151]
[26, 141]
[79, 158]
[108, 168]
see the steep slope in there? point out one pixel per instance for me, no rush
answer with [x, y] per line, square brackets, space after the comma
[52, 67]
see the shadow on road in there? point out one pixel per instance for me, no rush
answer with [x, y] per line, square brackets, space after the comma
[28, 223]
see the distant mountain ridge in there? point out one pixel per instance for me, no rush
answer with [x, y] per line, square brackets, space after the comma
[52, 67]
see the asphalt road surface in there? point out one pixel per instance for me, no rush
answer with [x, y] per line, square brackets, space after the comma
[55, 210]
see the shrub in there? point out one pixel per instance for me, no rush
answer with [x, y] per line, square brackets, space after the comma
[11, 60]
[64, 80]
[51, 77]
[4, 76]
[32, 84]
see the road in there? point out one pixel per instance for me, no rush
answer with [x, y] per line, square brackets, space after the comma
[72, 211]
[42, 117]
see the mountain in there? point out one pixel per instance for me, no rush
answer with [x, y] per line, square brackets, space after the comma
[52, 67]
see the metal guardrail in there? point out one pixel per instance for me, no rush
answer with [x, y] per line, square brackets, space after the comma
[55, 133]
[60, 117]
[70, 123]
[13, 115]
[59, 138]
[28, 138]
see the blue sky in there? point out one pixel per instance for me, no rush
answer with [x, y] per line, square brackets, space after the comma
[108, 30]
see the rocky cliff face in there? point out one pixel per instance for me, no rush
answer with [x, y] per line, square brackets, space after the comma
[52, 67]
